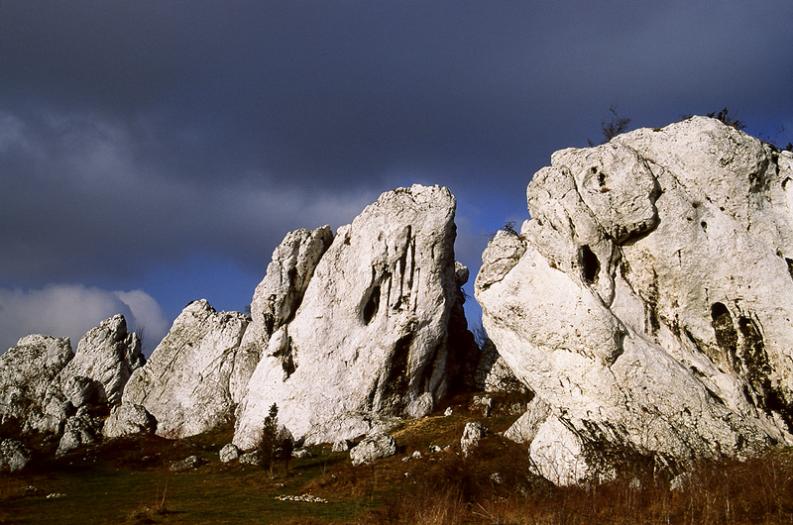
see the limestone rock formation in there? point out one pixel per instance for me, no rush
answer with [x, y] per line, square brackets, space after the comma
[648, 300]
[26, 371]
[185, 384]
[106, 355]
[42, 384]
[128, 419]
[369, 337]
[277, 297]
[371, 448]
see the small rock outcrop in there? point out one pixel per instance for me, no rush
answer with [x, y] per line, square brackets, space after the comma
[188, 463]
[128, 419]
[525, 428]
[369, 338]
[185, 384]
[372, 448]
[14, 456]
[472, 435]
[648, 301]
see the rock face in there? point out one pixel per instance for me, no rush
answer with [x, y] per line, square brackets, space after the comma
[26, 371]
[370, 335]
[648, 300]
[107, 355]
[372, 447]
[277, 297]
[186, 383]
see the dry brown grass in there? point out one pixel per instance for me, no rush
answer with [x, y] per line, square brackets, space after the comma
[758, 491]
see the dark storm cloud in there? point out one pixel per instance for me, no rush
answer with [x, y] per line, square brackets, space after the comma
[141, 132]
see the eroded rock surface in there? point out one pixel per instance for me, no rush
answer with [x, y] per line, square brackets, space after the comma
[648, 302]
[26, 371]
[369, 338]
[185, 384]
[277, 297]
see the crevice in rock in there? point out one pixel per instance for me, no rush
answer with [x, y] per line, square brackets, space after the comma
[372, 305]
[396, 378]
[789, 263]
[755, 366]
[590, 265]
[726, 335]
[651, 309]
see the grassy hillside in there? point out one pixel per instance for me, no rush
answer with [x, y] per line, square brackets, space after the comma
[129, 482]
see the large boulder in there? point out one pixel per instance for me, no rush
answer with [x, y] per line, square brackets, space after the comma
[648, 300]
[277, 297]
[370, 334]
[128, 419]
[185, 384]
[26, 371]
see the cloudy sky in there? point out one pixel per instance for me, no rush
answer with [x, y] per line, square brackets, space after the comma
[155, 152]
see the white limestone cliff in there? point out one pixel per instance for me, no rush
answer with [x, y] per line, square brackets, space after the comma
[185, 384]
[648, 301]
[368, 340]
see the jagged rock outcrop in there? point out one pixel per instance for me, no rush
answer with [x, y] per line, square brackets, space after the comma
[648, 300]
[277, 297]
[185, 384]
[26, 371]
[42, 384]
[106, 355]
[94, 379]
[369, 337]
